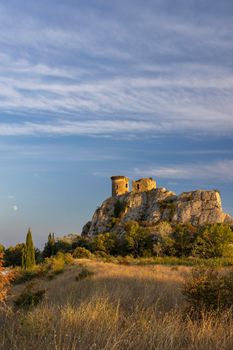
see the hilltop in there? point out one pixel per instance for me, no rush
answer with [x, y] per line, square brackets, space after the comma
[150, 207]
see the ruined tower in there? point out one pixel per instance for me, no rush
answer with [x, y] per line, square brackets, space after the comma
[145, 184]
[120, 185]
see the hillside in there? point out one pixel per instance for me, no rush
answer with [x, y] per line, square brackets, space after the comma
[197, 207]
[118, 307]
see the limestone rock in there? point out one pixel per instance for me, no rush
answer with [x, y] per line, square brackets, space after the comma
[196, 207]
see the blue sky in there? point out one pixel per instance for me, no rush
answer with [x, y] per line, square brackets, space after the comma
[91, 89]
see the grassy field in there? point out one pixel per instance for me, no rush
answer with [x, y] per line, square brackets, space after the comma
[118, 307]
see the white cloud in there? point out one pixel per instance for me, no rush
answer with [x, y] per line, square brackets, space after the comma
[220, 170]
[175, 93]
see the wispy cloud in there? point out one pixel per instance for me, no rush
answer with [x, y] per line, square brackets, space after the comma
[220, 170]
[144, 69]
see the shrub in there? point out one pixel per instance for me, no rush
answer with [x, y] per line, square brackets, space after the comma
[80, 253]
[29, 297]
[209, 289]
[84, 273]
[5, 280]
[68, 258]
[22, 276]
[101, 254]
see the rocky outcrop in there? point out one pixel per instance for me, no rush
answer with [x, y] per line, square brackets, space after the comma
[196, 207]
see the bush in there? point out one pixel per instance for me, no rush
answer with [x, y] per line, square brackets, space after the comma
[22, 276]
[101, 254]
[29, 297]
[209, 289]
[80, 253]
[5, 280]
[84, 273]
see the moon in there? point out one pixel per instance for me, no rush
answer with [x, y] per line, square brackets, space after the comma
[15, 207]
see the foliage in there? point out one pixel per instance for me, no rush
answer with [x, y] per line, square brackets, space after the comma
[2, 248]
[49, 249]
[138, 239]
[6, 277]
[164, 242]
[184, 238]
[22, 275]
[213, 241]
[56, 264]
[209, 289]
[84, 273]
[13, 255]
[29, 297]
[28, 254]
[82, 253]
[83, 242]
[105, 242]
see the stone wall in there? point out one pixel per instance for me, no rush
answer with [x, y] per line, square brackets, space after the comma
[145, 184]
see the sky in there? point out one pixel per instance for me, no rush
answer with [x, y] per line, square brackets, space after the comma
[95, 88]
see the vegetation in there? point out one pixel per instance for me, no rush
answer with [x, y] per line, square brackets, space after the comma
[81, 252]
[5, 280]
[29, 297]
[28, 252]
[119, 307]
[49, 249]
[209, 290]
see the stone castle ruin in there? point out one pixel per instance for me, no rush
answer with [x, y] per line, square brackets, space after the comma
[120, 185]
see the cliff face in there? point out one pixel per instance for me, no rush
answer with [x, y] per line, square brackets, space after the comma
[196, 207]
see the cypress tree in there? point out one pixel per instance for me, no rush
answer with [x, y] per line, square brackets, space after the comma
[49, 249]
[28, 256]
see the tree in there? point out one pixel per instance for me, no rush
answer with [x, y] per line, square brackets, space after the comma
[104, 242]
[13, 255]
[138, 239]
[184, 237]
[28, 255]
[214, 241]
[164, 242]
[5, 279]
[49, 249]
[2, 248]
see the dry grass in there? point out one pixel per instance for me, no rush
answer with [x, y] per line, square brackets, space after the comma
[119, 307]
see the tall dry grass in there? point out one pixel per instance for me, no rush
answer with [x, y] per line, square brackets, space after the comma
[119, 307]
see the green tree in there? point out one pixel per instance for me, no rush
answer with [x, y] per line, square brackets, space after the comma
[2, 248]
[214, 241]
[49, 249]
[28, 255]
[184, 237]
[104, 242]
[13, 255]
[138, 239]
[164, 242]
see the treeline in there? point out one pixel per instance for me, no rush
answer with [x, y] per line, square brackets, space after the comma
[181, 240]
